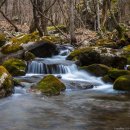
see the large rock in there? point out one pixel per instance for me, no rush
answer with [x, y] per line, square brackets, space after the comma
[98, 55]
[44, 49]
[122, 83]
[96, 69]
[6, 83]
[2, 39]
[50, 85]
[115, 73]
[16, 67]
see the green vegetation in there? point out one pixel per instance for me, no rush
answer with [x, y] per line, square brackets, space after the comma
[16, 42]
[2, 39]
[50, 85]
[29, 56]
[16, 67]
[6, 82]
[73, 55]
[96, 69]
[115, 73]
[122, 83]
[61, 27]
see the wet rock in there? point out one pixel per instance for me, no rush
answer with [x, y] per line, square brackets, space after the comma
[28, 56]
[6, 83]
[115, 73]
[96, 69]
[122, 83]
[2, 39]
[45, 49]
[50, 85]
[107, 79]
[98, 55]
[16, 67]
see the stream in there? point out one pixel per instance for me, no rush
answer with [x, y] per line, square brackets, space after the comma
[87, 104]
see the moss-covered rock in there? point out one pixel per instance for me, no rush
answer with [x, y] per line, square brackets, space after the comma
[96, 69]
[15, 43]
[29, 56]
[107, 79]
[2, 39]
[50, 85]
[16, 67]
[122, 83]
[115, 73]
[6, 83]
[98, 55]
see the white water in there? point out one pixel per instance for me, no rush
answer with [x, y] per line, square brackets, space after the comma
[58, 65]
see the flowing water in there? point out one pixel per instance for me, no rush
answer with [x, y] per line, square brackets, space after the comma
[78, 108]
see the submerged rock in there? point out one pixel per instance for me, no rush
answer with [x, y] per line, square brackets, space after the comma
[16, 67]
[122, 83]
[6, 83]
[96, 69]
[50, 85]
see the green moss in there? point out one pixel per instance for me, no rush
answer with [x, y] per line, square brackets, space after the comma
[96, 69]
[11, 48]
[50, 85]
[2, 39]
[16, 42]
[115, 73]
[53, 39]
[73, 55]
[61, 27]
[3, 70]
[122, 83]
[7, 82]
[16, 67]
[29, 56]
[106, 43]
[107, 79]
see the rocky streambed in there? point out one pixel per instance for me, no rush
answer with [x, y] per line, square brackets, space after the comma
[86, 104]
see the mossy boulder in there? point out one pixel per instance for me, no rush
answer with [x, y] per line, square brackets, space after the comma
[122, 83]
[96, 69]
[85, 56]
[50, 85]
[2, 39]
[115, 73]
[98, 55]
[16, 67]
[29, 56]
[15, 44]
[6, 83]
[107, 79]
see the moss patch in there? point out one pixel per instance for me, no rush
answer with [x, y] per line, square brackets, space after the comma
[73, 55]
[16, 42]
[16, 67]
[115, 73]
[53, 39]
[61, 27]
[122, 83]
[96, 69]
[2, 39]
[50, 85]
[29, 56]
[6, 82]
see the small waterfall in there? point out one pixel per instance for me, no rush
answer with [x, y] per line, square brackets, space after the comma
[37, 67]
